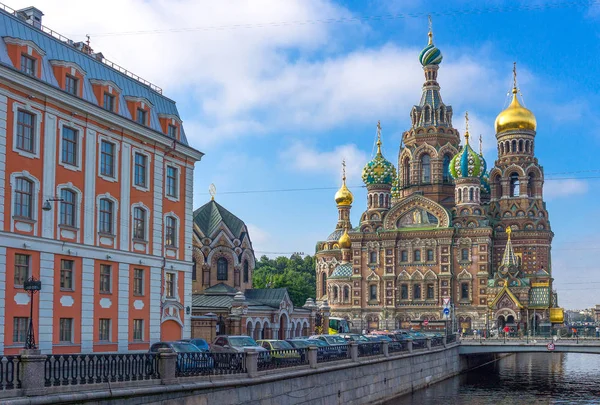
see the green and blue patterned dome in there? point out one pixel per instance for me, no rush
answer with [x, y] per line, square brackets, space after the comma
[467, 163]
[430, 55]
[379, 170]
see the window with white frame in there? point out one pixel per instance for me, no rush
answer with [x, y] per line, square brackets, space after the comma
[139, 223]
[105, 278]
[104, 330]
[172, 131]
[109, 102]
[171, 231]
[107, 212]
[107, 159]
[68, 204]
[138, 282]
[172, 182]
[66, 274]
[28, 64]
[141, 116]
[22, 269]
[72, 85]
[65, 330]
[170, 285]
[23, 195]
[138, 329]
[140, 177]
[70, 146]
[20, 325]
[26, 131]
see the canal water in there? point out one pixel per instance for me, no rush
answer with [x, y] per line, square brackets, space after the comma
[521, 379]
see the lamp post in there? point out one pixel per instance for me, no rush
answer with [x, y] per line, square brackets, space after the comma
[31, 286]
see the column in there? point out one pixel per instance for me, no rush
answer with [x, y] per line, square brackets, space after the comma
[2, 295]
[155, 303]
[125, 200]
[123, 332]
[87, 306]
[3, 114]
[49, 176]
[45, 302]
[89, 193]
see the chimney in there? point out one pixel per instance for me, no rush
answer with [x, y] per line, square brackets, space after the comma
[32, 16]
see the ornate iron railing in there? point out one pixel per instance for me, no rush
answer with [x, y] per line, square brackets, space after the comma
[194, 364]
[419, 343]
[77, 369]
[436, 341]
[451, 338]
[10, 367]
[395, 347]
[370, 349]
[332, 353]
[282, 358]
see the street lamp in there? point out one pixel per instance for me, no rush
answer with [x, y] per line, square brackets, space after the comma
[47, 206]
[31, 286]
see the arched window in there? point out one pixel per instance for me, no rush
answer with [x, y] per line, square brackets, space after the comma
[417, 291]
[515, 185]
[323, 283]
[514, 146]
[530, 185]
[427, 114]
[496, 187]
[222, 269]
[381, 201]
[373, 292]
[404, 291]
[464, 254]
[67, 208]
[446, 169]
[335, 293]
[370, 200]
[442, 113]
[387, 201]
[23, 198]
[404, 256]
[430, 292]
[373, 257]
[406, 172]
[464, 291]
[425, 168]
[246, 271]
[417, 255]
[139, 223]
[520, 145]
[471, 194]
[346, 294]
[429, 255]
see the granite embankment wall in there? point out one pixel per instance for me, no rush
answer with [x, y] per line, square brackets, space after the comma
[364, 380]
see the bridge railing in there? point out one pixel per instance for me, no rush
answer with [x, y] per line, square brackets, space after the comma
[370, 349]
[10, 377]
[200, 363]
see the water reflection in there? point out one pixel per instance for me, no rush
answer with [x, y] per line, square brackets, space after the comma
[526, 378]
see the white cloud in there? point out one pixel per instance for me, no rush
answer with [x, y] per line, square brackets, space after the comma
[564, 188]
[307, 159]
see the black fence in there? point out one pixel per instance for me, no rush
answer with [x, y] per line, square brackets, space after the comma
[275, 359]
[370, 349]
[396, 347]
[419, 343]
[78, 369]
[437, 341]
[333, 353]
[194, 364]
[10, 367]
[451, 338]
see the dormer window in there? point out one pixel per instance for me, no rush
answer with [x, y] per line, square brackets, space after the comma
[71, 85]
[170, 125]
[28, 65]
[109, 102]
[107, 93]
[172, 131]
[141, 116]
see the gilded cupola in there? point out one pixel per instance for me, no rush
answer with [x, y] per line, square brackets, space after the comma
[344, 241]
[515, 117]
[344, 197]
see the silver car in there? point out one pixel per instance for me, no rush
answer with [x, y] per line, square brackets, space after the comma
[235, 344]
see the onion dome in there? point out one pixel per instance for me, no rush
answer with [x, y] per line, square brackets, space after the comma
[430, 55]
[344, 240]
[379, 170]
[467, 163]
[515, 117]
[344, 197]
[485, 183]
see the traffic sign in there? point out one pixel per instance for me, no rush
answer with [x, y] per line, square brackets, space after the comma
[550, 346]
[446, 311]
[425, 322]
[446, 301]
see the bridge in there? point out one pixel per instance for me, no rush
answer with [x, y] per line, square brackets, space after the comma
[529, 345]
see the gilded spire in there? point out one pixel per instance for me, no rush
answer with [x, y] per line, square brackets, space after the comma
[515, 117]
[212, 190]
[467, 127]
[430, 34]
[344, 197]
[379, 137]
[480, 145]
[514, 90]
[509, 259]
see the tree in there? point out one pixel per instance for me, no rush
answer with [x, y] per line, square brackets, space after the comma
[295, 273]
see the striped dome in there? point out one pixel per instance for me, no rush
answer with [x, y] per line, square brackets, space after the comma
[379, 171]
[430, 55]
[467, 163]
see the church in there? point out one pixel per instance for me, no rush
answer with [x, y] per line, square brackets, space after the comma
[440, 228]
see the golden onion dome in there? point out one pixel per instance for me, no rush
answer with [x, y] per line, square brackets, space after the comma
[515, 117]
[344, 241]
[343, 196]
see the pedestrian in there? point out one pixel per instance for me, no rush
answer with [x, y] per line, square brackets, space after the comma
[597, 331]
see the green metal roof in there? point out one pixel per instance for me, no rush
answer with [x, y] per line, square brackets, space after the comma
[342, 271]
[271, 297]
[220, 289]
[211, 301]
[210, 215]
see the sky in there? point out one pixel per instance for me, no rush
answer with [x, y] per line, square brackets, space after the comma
[277, 92]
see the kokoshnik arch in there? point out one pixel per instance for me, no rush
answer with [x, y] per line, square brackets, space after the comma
[443, 226]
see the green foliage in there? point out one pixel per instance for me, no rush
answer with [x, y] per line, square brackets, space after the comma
[294, 273]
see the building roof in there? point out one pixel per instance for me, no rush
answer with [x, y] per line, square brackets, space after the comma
[220, 289]
[210, 215]
[211, 301]
[342, 271]
[271, 297]
[60, 49]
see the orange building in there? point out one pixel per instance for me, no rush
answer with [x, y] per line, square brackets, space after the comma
[96, 179]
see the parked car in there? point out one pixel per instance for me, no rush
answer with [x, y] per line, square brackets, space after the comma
[299, 343]
[235, 344]
[337, 346]
[280, 350]
[355, 337]
[190, 362]
[176, 346]
[199, 343]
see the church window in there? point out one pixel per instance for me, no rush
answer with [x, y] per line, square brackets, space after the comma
[222, 269]
[346, 294]
[335, 293]
[471, 194]
[530, 182]
[442, 113]
[404, 291]
[515, 185]
[406, 172]
[446, 169]
[464, 254]
[513, 146]
[417, 255]
[464, 291]
[373, 257]
[521, 145]
[427, 114]
[381, 200]
[417, 291]
[404, 256]
[246, 271]
[387, 201]
[370, 200]
[372, 292]
[429, 255]
[425, 168]
[430, 291]
[323, 283]
[460, 195]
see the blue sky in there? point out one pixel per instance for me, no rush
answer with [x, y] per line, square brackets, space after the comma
[277, 106]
